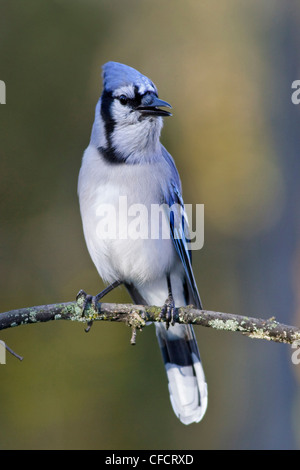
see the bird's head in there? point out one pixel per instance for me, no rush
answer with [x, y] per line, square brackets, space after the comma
[131, 114]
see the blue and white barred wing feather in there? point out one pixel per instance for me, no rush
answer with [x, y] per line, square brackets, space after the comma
[181, 239]
[179, 230]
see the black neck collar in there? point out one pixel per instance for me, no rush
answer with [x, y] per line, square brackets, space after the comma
[111, 156]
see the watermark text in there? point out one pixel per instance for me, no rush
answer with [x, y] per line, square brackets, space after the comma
[2, 352]
[296, 354]
[125, 221]
[2, 92]
[296, 94]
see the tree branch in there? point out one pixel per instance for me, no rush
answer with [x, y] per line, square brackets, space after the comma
[136, 316]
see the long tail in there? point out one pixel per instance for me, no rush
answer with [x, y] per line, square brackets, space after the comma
[187, 386]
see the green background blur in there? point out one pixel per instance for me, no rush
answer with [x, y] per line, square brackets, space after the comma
[227, 69]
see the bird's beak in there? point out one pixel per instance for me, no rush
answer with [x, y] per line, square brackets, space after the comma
[152, 107]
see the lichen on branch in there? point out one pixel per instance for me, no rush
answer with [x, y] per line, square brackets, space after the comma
[137, 316]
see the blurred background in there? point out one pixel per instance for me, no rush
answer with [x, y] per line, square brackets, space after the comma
[227, 69]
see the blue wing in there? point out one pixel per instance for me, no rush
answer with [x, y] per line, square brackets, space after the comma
[179, 231]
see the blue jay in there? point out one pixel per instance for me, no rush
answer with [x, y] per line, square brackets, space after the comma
[126, 159]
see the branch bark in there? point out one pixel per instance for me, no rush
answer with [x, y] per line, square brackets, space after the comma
[136, 316]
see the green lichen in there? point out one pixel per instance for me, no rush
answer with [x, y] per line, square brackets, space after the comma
[260, 333]
[228, 325]
[32, 316]
[153, 310]
[135, 321]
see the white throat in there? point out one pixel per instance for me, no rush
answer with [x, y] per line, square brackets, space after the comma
[138, 142]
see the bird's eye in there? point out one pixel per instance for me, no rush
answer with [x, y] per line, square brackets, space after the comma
[123, 100]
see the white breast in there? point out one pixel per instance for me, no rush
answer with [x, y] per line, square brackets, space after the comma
[118, 241]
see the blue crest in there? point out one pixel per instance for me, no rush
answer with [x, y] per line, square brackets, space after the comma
[116, 75]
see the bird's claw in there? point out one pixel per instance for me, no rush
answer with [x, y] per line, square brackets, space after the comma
[168, 312]
[85, 300]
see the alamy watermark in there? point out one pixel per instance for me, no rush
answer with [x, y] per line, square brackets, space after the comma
[296, 354]
[124, 221]
[2, 92]
[2, 352]
[295, 97]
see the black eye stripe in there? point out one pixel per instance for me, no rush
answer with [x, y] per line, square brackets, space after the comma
[132, 102]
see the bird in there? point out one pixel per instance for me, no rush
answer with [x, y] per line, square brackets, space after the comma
[125, 160]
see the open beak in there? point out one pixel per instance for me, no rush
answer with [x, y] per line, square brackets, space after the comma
[152, 108]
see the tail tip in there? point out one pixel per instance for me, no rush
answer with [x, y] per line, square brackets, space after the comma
[190, 415]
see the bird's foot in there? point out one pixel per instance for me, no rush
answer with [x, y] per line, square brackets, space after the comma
[168, 312]
[85, 300]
